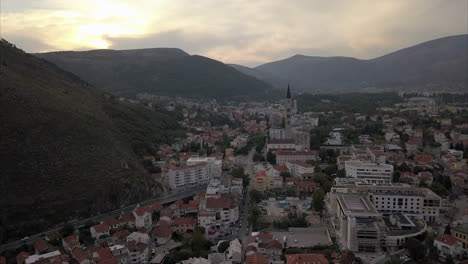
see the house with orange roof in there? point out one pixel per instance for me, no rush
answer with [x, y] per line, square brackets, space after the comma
[306, 259]
[98, 231]
[41, 246]
[71, 242]
[21, 257]
[183, 224]
[256, 258]
[143, 216]
[448, 245]
[128, 220]
[161, 234]
[80, 256]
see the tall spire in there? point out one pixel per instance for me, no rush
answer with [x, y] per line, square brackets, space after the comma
[288, 94]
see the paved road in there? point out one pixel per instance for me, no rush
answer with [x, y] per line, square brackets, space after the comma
[167, 197]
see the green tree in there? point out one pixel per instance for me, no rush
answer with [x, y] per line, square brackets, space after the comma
[67, 230]
[155, 216]
[341, 173]
[198, 241]
[393, 260]
[271, 157]
[416, 249]
[258, 157]
[223, 246]
[285, 174]
[318, 202]
[254, 214]
[256, 196]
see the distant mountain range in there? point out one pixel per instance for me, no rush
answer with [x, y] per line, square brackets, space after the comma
[441, 62]
[69, 149]
[163, 71]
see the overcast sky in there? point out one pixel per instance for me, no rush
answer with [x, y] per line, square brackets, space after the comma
[248, 32]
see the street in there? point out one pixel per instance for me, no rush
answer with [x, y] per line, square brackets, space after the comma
[167, 197]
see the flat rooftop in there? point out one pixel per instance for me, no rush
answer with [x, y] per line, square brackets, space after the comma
[356, 204]
[304, 237]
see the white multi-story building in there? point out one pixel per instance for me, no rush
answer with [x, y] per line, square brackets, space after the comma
[419, 203]
[372, 172]
[281, 144]
[215, 165]
[188, 176]
[226, 211]
[277, 133]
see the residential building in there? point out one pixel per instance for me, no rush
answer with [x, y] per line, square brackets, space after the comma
[215, 165]
[188, 176]
[263, 181]
[98, 231]
[288, 156]
[183, 224]
[225, 208]
[300, 168]
[448, 246]
[460, 232]
[143, 217]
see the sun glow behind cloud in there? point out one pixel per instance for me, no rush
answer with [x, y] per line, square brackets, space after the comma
[241, 31]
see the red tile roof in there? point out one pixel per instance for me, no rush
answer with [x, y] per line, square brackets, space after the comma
[120, 235]
[162, 231]
[184, 221]
[101, 228]
[256, 258]
[134, 246]
[281, 168]
[127, 218]
[260, 174]
[306, 259]
[41, 246]
[142, 210]
[447, 239]
[79, 255]
[219, 203]
[72, 241]
[21, 257]
[111, 221]
[273, 244]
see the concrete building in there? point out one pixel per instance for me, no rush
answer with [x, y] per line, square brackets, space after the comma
[299, 168]
[372, 172]
[282, 157]
[188, 176]
[215, 165]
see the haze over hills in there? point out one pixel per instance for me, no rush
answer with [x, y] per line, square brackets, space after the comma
[66, 145]
[440, 62]
[163, 71]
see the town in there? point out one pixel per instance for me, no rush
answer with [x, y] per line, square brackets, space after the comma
[280, 185]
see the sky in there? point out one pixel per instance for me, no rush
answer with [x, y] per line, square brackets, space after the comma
[247, 32]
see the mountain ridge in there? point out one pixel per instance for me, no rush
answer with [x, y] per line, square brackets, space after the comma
[439, 61]
[129, 72]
